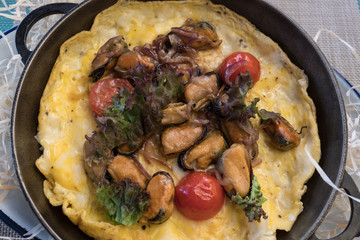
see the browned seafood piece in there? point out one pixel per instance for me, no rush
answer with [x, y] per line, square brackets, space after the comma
[162, 192]
[238, 135]
[107, 56]
[123, 167]
[174, 113]
[199, 35]
[282, 134]
[201, 87]
[179, 138]
[132, 59]
[204, 153]
[235, 168]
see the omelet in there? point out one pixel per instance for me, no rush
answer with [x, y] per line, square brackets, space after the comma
[66, 117]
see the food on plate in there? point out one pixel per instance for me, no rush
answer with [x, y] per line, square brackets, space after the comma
[176, 120]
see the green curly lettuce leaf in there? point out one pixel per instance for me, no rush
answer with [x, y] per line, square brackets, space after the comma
[123, 125]
[252, 204]
[125, 201]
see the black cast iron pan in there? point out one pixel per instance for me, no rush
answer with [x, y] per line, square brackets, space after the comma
[292, 39]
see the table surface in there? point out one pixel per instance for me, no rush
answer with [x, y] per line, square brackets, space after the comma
[340, 16]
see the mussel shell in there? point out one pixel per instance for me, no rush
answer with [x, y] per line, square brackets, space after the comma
[181, 161]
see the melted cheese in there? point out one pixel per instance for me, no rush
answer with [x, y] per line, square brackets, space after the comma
[65, 118]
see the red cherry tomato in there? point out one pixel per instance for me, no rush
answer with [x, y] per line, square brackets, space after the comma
[199, 196]
[103, 90]
[239, 62]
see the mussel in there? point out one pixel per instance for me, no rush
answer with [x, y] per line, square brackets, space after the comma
[131, 59]
[107, 56]
[179, 138]
[236, 134]
[152, 150]
[174, 113]
[204, 153]
[162, 193]
[234, 165]
[123, 167]
[201, 89]
[283, 135]
[198, 35]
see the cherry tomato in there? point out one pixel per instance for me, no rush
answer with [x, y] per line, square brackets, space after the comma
[199, 196]
[240, 62]
[103, 90]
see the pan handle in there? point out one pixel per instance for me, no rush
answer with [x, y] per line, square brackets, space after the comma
[353, 227]
[29, 21]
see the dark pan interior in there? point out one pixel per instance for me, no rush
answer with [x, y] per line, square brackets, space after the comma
[299, 47]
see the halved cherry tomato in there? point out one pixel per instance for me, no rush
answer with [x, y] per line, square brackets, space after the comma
[199, 196]
[103, 90]
[239, 62]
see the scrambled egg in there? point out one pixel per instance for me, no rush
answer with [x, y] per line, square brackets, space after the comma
[66, 117]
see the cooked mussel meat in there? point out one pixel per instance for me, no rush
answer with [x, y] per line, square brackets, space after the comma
[236, 134]
[123, 167]
[234, 165]
[179, 138]
[199, 35]
[175, 113]
[282, 134]
[107, 56]
[201, 89]
[152, 150]
[132, 59]
[204, 153]
[162, 193]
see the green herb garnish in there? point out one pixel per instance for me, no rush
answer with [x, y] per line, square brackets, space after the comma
[252, 204]
[125, 201]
